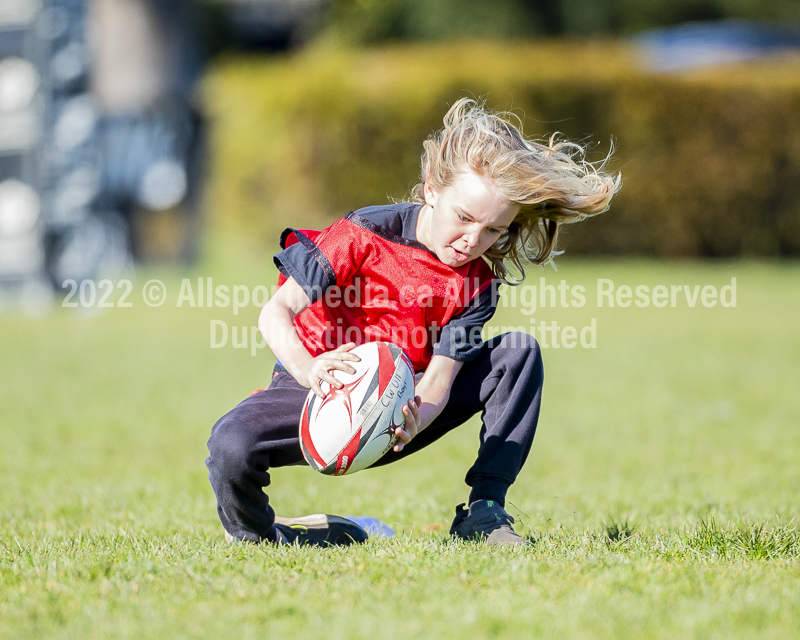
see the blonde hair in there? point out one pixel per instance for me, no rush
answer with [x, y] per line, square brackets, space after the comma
[553, 182]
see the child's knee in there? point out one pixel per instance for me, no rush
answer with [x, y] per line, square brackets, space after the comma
[520, 344]
[521, 357]
[229, 449]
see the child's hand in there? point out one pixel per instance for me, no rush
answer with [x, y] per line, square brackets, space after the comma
[319, 368]
[411, 428]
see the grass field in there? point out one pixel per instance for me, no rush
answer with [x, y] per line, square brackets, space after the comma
[661, 493]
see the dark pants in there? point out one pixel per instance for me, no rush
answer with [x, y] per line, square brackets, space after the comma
[504, 382]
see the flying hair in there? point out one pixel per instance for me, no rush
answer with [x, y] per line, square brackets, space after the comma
[553, 182]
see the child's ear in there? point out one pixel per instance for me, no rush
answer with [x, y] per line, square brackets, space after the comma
[431, 194]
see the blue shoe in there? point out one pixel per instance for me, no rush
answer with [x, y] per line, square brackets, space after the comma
[485, 520]
[374, 527]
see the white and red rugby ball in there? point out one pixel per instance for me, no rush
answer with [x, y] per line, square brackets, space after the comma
[352, 427]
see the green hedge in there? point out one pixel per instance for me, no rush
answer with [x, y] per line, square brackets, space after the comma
[375, 21]
[710, 159]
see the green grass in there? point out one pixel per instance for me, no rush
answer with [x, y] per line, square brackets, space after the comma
[661, 492]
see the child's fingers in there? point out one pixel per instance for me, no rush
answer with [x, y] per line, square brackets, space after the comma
[344, 352]
[348, 357]
[342, 366]
[411, 414]
[317, 378]
[317, 389]
[403, 438]
[327, 377]
[414, 406]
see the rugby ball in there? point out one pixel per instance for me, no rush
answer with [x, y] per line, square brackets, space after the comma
[352, 427]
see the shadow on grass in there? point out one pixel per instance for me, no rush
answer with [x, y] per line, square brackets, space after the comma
[617, 531]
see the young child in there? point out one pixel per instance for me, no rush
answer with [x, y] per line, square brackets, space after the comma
[490, 201]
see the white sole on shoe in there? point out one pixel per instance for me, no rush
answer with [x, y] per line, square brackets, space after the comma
[315, 520]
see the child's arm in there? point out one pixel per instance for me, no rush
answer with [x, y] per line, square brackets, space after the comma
[276, 323]
[433, 392]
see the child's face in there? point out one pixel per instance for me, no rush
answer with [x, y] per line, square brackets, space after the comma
[464, 219]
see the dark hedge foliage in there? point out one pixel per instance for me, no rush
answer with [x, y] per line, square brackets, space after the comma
[376, 21]
[710, 159]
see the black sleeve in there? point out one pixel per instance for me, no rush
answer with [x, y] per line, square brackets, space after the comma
[460, 339]
[304, 262]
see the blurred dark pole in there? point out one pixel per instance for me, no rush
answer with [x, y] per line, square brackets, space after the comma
[147, 61]
[22, 253]
[100, 140]
[121, 155]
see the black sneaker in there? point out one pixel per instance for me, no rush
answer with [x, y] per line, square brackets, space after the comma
[485, 520]
[318, 530]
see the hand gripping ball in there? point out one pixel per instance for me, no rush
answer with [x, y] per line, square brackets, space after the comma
[352, 427]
